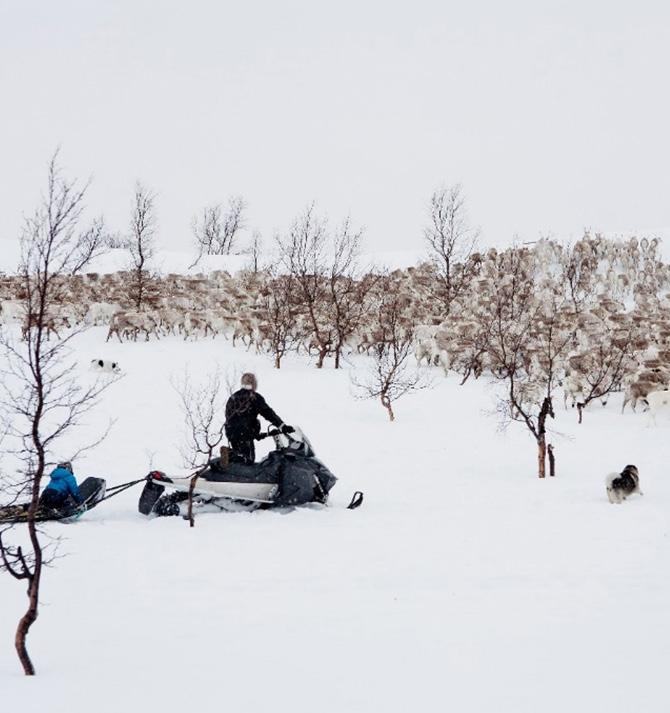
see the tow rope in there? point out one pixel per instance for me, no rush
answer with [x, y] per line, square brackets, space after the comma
[116, 489]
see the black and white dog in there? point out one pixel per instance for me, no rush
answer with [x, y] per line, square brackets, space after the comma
[621, 485]
[109, 367]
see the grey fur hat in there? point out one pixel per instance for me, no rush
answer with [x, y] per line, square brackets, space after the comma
[249, 381]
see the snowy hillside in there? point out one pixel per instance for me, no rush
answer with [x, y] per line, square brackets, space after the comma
[464, 583]
[184, 262]
[166, 261]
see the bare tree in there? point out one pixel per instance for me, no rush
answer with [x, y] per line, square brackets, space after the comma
[233, 222]
[604, 364]
[207, 230]
[93, 242]
[303, 255]
[40, 398]
[232, 379]
[528, 342]
[141, 242]
[216, 232]
[255, 250]
[116, 241]
[202, 404]
[473, 350]
[331, 292]
[348, 290]
[277, 314]
[390, 376]
[451, 242]
[577, 276]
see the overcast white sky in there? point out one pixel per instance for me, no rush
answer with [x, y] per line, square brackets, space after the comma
[554, 116]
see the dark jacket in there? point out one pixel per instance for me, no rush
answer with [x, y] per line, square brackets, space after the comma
[242, 411]
[64, 483]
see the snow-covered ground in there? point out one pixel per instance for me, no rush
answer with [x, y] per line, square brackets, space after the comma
[463, 584]
[164, 262]
[186, 262]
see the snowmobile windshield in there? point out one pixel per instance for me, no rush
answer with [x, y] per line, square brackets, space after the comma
[299, 441]
[296, 441]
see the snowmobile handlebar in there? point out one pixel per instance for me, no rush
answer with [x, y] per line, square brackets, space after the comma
[274, 432]
[261, 436]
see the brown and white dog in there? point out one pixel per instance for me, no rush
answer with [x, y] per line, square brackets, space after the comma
[621, 485]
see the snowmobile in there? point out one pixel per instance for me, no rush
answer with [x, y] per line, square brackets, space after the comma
[289, 475]
[92, 491]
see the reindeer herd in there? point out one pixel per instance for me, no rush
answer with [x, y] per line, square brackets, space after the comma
[592, 318]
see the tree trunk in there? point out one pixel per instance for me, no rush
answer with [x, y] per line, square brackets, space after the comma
[546, 410]
[138, 300]
[541, 456]
[386, 403]
[580, 409]
[191, 488]
[26, 621]
[277, 361]
[552, 461]
[29, 618]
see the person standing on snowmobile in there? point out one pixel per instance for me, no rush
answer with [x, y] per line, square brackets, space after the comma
[242, 425]
[62, 489]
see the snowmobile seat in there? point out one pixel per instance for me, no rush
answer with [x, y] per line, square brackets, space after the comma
[267, 471]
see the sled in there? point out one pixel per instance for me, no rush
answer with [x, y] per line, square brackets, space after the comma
[91, 489]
